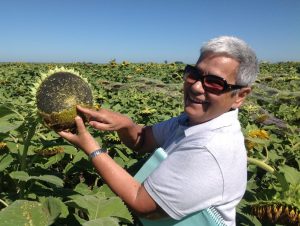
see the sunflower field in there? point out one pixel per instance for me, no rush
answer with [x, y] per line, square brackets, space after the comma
[46, 181]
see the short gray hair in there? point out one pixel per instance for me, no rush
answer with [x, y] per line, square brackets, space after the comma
[239, 50]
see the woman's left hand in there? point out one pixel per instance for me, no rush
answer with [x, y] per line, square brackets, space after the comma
[83, 139]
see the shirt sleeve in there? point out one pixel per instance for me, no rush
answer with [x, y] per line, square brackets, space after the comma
[161, 131]
[186, 182]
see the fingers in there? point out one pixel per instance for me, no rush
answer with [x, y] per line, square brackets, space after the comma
[102, 119]
[67, 135]
[80, 125]
[80, 128]
[89, 113]
[86, 111]
[99, 125]
[82, 139]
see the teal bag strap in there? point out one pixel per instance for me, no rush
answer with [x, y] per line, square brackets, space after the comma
[151, 164]
[206, 217]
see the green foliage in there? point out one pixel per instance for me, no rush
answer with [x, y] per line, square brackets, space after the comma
[23, 212]
[46, 181]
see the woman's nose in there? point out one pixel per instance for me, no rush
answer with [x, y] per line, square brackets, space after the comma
[197, 87]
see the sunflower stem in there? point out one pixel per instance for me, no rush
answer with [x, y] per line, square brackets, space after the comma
[4, 203]
[27, 141]
[261, 164]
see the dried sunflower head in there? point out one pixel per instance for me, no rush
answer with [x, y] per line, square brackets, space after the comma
[57, 94]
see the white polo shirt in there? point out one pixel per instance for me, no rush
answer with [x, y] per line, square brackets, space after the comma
[206, 166]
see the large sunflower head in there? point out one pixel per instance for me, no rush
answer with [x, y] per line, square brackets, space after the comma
[57, 94]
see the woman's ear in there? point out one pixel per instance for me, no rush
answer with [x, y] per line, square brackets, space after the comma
[241, 96]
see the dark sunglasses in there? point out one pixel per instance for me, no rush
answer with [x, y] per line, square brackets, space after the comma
[211, 83]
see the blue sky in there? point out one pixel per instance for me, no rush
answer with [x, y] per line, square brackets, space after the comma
[144, 31]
